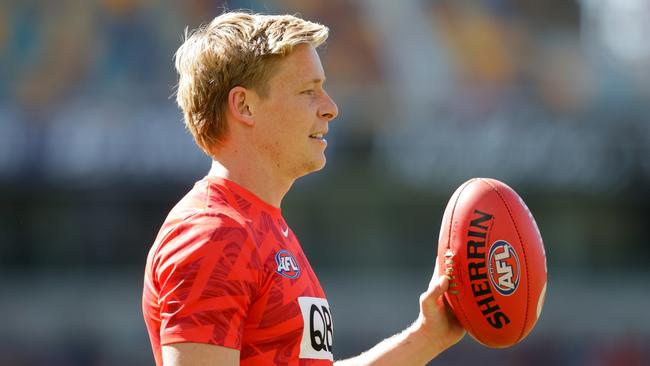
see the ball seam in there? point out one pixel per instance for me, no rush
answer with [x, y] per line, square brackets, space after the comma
[451, 224]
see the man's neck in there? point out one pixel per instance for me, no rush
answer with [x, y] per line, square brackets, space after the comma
[254, 178]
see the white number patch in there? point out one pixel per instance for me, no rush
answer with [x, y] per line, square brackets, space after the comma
[317, 332]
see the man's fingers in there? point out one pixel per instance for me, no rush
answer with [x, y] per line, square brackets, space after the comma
[434, 278]
[435, 271]
[438, 286]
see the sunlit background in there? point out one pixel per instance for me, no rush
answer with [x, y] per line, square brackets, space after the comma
[552, 97]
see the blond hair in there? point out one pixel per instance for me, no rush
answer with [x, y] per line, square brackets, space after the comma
[234, 49]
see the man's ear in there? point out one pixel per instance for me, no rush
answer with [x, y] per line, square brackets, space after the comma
[239, 99]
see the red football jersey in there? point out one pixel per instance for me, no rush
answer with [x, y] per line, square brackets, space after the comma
[226, 270]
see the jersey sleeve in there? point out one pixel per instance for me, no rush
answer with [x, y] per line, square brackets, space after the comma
[208, 274]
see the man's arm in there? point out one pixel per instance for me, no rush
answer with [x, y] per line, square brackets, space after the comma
[435, 330]
[199, 354]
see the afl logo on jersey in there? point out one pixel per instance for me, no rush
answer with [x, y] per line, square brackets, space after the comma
[504, 267]
[287, 264]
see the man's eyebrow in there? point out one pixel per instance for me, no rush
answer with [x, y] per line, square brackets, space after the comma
[316, 81]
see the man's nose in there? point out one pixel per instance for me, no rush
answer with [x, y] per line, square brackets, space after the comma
[329, 110]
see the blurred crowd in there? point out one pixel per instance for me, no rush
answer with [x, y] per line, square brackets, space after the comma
[548, 79]
[552, 97]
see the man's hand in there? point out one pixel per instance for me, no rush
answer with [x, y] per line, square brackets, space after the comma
[435, 330]
[436, 320]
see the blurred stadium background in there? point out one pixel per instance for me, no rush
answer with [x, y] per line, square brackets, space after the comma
[551, 97]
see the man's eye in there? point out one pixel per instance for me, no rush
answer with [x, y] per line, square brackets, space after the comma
[309, 92]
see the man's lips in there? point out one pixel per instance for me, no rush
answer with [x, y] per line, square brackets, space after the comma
[318, 135]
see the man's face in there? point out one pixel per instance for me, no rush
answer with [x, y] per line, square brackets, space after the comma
[292, 120]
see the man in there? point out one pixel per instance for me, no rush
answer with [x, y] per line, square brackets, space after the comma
[226, 280]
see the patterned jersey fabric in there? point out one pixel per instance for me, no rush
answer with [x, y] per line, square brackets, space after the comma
[226, 270]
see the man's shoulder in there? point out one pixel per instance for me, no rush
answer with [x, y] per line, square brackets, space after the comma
[201, 233]
[206, 203]
[210, 222]
[195, 221]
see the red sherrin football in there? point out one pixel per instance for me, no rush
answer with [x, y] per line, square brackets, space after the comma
[491, 247]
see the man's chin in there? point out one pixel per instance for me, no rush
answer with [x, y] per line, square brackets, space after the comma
[314, 166]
